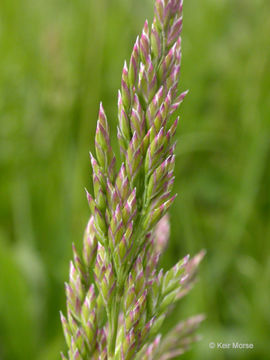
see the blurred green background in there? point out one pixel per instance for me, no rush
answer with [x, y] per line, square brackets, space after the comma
[58, 59]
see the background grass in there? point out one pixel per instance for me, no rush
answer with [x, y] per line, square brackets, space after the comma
[58, 59]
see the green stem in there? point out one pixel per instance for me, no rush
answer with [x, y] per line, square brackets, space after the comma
[113, 322]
